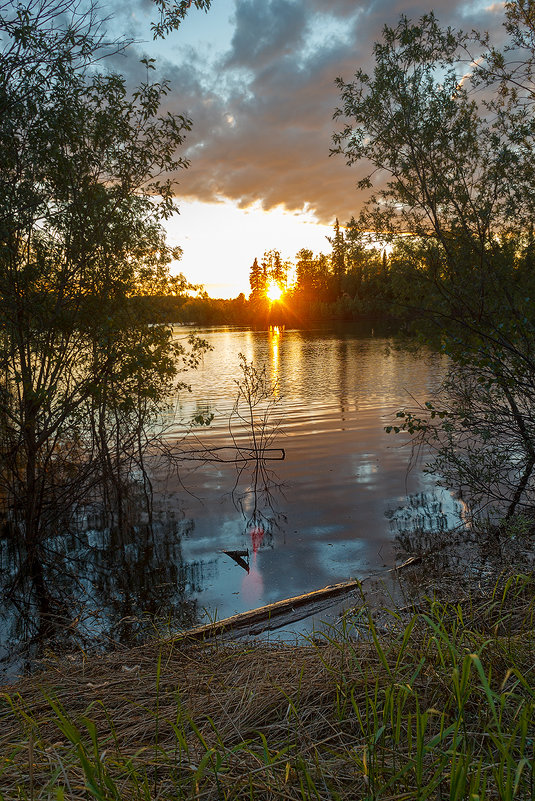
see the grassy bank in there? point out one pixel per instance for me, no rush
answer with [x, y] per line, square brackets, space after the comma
[439, 704]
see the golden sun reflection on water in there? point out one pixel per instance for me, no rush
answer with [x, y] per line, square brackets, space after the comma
[275, 335]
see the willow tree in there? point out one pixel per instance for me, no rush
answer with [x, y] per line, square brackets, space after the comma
[84, 193]
[451, 182]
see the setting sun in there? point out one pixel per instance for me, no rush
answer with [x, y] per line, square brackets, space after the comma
[273, 292]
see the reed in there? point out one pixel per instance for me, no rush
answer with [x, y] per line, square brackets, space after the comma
[439, 704]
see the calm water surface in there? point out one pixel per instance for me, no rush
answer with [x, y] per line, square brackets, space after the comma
[331, 510]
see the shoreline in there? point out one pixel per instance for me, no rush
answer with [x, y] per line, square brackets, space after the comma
[365, 707]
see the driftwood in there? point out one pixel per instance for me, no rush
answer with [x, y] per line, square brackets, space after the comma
[229, 453]
[273, 615]
[412, 560]
[281, 613]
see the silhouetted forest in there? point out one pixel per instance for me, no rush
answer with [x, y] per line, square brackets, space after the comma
[354, 279]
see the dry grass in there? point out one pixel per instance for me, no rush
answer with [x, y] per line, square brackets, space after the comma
[439, 705]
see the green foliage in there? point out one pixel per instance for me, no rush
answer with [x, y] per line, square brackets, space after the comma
[172, 13]
[82, 200]
[457, 205]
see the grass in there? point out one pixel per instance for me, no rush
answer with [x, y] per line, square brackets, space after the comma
[438, 704]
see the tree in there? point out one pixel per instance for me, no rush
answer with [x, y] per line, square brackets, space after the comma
[171, 14]
[323, 276]
[277, 269]
[83, 193]
[306, 273]
[356, 256]
[460, 189]
[258, 280]
[338, 257]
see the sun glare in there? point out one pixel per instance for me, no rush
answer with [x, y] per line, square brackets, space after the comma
[274, 292]
[222, 261]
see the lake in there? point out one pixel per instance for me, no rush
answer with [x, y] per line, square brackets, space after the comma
[332, 509]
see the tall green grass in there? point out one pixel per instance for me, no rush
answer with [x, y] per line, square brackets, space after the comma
[439, 704]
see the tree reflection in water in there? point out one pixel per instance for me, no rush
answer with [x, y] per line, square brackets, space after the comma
[254, 423]
[105, 586]
[257, 501]
[257, 495]
[453, 561]
[426, 512]
[101, 587]
[456, 565]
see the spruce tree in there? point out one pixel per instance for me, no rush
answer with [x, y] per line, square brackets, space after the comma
[258, 279]
[338, 257]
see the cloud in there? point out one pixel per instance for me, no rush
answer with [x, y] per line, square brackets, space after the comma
[262, 113]
[265, 32]
[265, 134]
[336, 8]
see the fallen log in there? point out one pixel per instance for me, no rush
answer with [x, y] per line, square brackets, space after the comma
[272, 616]
[280, 613]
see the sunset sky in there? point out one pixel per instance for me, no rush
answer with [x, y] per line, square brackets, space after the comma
[257, 79]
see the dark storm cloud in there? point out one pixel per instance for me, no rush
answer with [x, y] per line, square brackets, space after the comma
[263, 118]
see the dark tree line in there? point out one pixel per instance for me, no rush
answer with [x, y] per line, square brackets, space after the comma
[349, 281]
